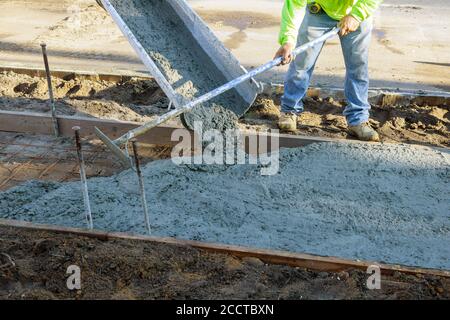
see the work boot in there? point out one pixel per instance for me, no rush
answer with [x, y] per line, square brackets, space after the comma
[364, 132]
[287, 121]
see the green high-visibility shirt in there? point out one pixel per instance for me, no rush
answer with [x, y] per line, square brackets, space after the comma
[293, 12]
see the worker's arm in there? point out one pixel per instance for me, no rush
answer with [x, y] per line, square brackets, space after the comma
[361, 10]
[291, 18]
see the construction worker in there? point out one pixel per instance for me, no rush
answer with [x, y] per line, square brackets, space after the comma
[309, 20]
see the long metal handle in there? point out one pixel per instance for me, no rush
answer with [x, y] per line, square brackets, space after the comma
[208, 96]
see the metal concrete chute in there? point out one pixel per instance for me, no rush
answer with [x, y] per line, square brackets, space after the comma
[143, 55]
[210, 51]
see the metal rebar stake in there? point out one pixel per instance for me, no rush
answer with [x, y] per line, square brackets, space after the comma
[50, 90]
[87, 204]
[141, 185]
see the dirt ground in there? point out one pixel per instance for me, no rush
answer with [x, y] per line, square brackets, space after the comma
[33, 265]
[140, 99]
[103, 99]
[411, 123]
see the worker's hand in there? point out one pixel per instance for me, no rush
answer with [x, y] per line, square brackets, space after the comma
[348, 24]
[285, 52]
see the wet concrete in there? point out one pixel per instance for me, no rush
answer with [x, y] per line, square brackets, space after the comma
[388, 203]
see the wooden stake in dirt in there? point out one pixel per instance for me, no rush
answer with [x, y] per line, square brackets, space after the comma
[141, 185]
[87, 204]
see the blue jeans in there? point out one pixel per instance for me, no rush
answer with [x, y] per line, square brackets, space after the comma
[355, 47]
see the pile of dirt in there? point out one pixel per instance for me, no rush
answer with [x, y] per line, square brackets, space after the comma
[133, 99]
[386, 203]
[410, 123]
[33, 265]
[85, 22]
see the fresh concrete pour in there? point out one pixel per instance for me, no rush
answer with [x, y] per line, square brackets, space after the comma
[377, 202]
[181, 60]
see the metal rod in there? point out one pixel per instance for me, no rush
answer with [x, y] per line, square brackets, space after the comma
[256, 83]
[208, 96]
[87, 204]
[50, 90]
[141, 186]
[124, 159]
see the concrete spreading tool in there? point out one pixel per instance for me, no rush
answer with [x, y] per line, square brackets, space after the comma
[114, 146]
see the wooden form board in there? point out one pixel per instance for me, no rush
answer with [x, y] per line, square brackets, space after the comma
[313, 262]
[37, 123]
[76, 74]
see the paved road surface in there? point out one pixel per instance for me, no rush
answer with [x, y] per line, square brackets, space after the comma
[410, 47]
